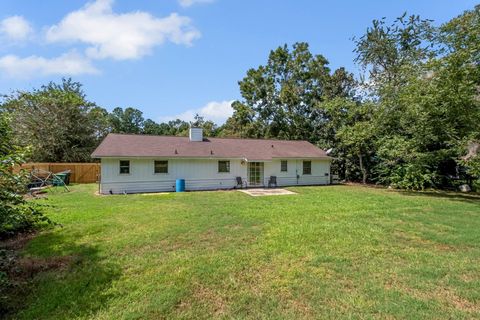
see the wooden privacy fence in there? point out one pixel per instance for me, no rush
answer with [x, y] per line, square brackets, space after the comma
[80, 172]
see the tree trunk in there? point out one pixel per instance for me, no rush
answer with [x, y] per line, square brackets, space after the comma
[362, 169]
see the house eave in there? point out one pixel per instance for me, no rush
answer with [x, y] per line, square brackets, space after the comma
[209, 158]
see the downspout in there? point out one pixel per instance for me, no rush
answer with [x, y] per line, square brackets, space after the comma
[99, 177]
[296, 171]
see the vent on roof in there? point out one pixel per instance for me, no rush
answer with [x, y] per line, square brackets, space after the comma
[196, 134]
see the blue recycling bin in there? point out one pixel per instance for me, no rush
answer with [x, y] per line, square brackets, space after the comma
[180, 185]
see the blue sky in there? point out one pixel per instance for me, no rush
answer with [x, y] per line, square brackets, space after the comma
[173, 58]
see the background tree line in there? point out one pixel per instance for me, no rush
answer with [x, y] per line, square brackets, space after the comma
[59, 124]
[411, 120]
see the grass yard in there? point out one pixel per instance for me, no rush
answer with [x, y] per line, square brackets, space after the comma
[327, 252]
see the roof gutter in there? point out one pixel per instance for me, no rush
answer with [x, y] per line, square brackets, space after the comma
[210, 158]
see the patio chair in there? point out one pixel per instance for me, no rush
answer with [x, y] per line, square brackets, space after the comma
[272, 181]
[240, 182]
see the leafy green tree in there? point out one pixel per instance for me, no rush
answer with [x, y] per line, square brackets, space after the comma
[210, 129]
[55, 121]
[99, 119]
[129, 120]
[151, 127]
[281, 98]
[241, 124]
[424, 82]
[352, 134]
[178, 127]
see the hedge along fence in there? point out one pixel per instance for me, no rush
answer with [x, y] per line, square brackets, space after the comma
[80, 172]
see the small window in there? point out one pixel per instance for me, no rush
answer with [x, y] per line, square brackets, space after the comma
[223, 166]
[284, 166]
[161, 166]
[307, 167]
[124, 166]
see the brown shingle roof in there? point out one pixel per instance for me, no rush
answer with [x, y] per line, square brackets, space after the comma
[130, 145]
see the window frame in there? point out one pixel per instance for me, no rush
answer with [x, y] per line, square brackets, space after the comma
[155, 166]
[282, 162]
[309, 166]
[227, 166]
[120, 166]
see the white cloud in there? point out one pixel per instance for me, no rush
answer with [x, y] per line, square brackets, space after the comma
[120, 36]
[15, 28]
[189, 3]
[217, 111]
[70, 63]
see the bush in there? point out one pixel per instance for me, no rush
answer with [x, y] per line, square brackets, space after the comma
[412, 177]
[16, 213]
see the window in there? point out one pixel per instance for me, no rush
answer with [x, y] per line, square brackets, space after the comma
[124, 166]
[161, 166]
[223, 166]
[307, 167]
[284, 166]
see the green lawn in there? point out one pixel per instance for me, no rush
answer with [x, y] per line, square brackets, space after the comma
[327, 252]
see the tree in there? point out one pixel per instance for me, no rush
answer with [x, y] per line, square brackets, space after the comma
[352, 133]
[100, 120]
[129, 120]
[281, 99]
[210, 129]
[151, 127]
[55, 121]
[178, 127]
[424, 82]
[242, 123]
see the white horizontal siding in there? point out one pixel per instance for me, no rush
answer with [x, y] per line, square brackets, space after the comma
[302, 181]
[137, 186]
[295, 167]
[200, 174]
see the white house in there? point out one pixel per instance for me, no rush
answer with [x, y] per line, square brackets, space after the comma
[146, 163]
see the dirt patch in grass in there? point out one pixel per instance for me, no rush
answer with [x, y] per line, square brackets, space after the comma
[299, 306]
[16, 272]
[215, 303]
[469, 277]
[29, 267]
[18, 242]
[443, 294]
[417, 241]
[449, 296]
[446, 296]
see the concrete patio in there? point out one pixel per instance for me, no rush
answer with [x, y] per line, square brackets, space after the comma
[260, 192]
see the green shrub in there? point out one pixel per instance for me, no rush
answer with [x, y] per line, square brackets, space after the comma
[16, 213]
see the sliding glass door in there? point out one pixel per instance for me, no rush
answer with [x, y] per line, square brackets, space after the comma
[255, 173]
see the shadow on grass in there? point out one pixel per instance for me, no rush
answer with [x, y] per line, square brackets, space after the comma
[454, 196]
[64, 280]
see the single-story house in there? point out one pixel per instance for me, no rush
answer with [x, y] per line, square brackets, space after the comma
[147, 163]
